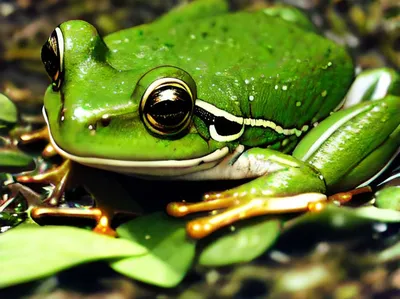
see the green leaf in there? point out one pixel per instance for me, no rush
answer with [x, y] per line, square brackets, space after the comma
[32, 252]
[15, 161]
[8, 110]
[171, 252]
[345, 218]
[243, 245]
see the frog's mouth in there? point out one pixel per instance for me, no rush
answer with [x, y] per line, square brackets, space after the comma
[161, 168]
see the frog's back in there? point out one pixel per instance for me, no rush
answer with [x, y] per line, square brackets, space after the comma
[250, 64]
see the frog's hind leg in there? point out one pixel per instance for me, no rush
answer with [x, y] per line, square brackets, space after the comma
[353, 146]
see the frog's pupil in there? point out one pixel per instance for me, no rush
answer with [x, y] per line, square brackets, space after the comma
[168, 113]
[167, 108]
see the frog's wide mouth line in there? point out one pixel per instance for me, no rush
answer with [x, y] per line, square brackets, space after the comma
[157, 168]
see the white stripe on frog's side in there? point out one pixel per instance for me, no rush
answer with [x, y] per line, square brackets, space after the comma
[371, 179]
[244, 122]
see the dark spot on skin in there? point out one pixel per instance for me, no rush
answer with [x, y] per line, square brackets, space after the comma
[169, 45]
[204, 34]
[328, 52]
[212, 24]
[62, 96]
[225, 29]
[62, 115]
[251, 110]
[62, 110]
[140, 32]
[200, 163]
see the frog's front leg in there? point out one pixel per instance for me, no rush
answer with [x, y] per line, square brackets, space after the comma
[345, 150]
[60, 177]
[288, 185]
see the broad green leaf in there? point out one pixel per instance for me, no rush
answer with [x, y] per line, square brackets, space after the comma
[345, 218]
[8, 110]
[170, 251]
[33, 252]
[243, 245]
[15, 161]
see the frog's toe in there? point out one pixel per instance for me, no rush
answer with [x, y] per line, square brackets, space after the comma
[240, 207]
[58, 177]
[42, 134]
[180, 209]
[103, 227]
[49, 151]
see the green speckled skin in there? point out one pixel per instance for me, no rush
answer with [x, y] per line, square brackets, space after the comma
[247, 63]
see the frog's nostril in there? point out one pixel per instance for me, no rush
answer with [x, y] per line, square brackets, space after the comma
[105, 120]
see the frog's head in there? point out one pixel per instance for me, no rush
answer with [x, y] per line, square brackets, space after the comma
[133, 120]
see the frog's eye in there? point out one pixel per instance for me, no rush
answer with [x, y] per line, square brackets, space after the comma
[167, 106]
[52, 57]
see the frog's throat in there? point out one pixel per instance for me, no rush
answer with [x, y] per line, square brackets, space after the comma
[164, 168]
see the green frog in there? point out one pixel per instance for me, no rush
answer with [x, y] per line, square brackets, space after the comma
[207, 94]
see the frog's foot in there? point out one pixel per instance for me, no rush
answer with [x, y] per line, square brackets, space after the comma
[242, 206]
[42, 134]
[58, 177]
[239, 206]
[101, 217]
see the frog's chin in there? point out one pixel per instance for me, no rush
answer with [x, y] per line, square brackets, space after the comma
[161, 168]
